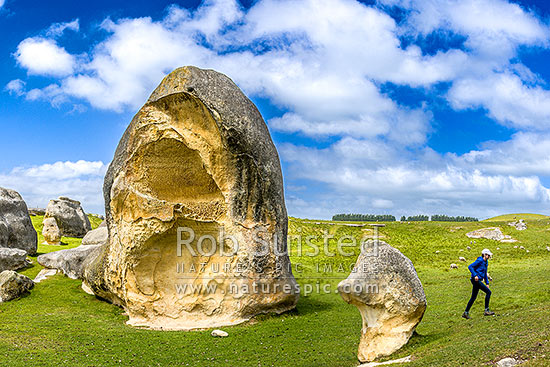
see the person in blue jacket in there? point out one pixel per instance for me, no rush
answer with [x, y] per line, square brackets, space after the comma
[479, 272]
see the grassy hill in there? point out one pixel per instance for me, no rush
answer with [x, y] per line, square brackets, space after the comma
[58, 324]
[512, 217]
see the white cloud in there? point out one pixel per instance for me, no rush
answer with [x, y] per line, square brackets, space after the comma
[2, 2]
[57, 29]
[366, 177]
[81, 180]
[507, 99]
[43, 56]
[16, 86]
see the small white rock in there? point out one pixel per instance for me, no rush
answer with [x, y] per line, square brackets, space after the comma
[515, 247]
[461, 258]
[437, 252]
[507, 362]
[468, 248]
[522, 248]
[219, 333]
[454, 266]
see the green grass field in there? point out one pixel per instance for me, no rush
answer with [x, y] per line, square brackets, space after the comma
[58, 324]
[518, 216]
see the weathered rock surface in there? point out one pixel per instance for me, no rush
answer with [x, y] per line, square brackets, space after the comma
[98, 236]
[508, 362]
[490, 233]
[520, 225]
[70, 217]
[16, 230]
[388, 293]
[71, 261]
[51, 232]
[13, 285]
[44, 274]
[12, 259]
[197, 155]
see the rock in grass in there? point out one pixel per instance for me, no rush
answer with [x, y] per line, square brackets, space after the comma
[508, 362]
[70, 261]
[547, 248]
[389, 295]
[462, 258]
[70, 217]
[12, 259]
[219, 333]
[491, 233]
[454, 266]
[16, 229]
[51, 232]
[98, 236]
[13, 285]
[44, 274]
[197, 156]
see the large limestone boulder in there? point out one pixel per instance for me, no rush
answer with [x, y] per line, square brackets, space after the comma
[197, 156]
[13, 285]
[98, 236]
[70, 217]
[16, 230]
[12, 259]
[51, 232]
[70, 261]
[385, 288]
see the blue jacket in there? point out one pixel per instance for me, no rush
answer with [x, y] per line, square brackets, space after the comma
[479, 268]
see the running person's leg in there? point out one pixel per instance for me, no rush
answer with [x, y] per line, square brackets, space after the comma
[475, 291]
[487, 291]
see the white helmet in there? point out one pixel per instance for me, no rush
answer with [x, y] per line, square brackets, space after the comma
[486, 251]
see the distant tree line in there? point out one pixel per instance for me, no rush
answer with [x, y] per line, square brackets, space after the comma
[446, 218]
[415, 218]
[438, 218]
[364, 218]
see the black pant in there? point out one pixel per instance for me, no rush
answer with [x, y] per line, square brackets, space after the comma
[475, 290]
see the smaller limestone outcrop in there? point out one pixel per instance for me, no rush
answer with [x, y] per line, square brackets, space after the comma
[51, 232]
[13, 285]
[70, 217]
[385, 288]
[12, 259]
[98, 236]
[71, 261]
[520, 225]
[490, 233]
[16, 229]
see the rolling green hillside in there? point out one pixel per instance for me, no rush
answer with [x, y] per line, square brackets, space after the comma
[511, 217]
[58, 324]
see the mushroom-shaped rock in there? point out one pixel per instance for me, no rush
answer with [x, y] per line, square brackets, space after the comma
[13, 285]
[12, 259]
[70, 217]
[51, 232]
[16, 229]
[385, 288]
[194, 200]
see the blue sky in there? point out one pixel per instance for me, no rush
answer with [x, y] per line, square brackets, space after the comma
[388, 106]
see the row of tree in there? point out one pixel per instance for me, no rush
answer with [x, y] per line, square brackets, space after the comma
[391, 218]
[364, 218]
